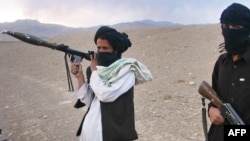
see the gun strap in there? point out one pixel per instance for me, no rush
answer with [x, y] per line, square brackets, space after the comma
[71, 88]
[204, 118]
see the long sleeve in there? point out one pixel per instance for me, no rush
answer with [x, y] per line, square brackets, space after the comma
[84, 94]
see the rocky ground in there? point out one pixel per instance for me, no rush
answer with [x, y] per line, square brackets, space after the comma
[35, 103]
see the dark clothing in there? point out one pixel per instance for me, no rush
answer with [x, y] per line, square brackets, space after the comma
[118, 121]
[231, 81]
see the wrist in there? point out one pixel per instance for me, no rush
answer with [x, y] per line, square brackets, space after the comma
[79, 76]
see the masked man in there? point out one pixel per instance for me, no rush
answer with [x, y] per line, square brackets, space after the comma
[230, 77]
[109, 90]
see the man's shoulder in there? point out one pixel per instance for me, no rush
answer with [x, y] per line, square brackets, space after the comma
[222, 56]
[246, 55]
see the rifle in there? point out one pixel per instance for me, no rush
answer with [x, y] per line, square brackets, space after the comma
[226, 109]
[75, 55]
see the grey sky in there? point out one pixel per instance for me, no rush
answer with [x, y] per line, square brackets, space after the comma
[85, 13]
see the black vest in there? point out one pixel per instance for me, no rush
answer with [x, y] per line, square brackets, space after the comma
[118, 122]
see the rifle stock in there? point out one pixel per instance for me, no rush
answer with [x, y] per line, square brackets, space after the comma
[206, 91]
[226, 109]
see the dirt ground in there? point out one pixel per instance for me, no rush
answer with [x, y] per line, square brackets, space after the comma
[35, 103]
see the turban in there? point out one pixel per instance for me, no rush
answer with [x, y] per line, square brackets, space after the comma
[236, 14]
[119, 41]
[236, 40]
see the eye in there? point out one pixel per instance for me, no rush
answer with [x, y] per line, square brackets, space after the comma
[230, 26]
[238, 27]
[224, 26]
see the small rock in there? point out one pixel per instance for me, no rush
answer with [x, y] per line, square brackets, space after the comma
[191, 83]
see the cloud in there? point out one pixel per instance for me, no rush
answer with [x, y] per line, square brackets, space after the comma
[84, 13]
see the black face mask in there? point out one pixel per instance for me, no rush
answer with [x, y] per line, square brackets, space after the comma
[236, 40]
[107, 58]
[104, 59]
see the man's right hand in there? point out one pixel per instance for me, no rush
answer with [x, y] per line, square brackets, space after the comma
[215, 116]
[76, 69]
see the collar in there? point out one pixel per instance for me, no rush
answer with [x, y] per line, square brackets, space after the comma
[245, 56]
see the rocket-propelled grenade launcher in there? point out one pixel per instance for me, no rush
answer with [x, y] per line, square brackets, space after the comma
[28, 38]
[75, 55]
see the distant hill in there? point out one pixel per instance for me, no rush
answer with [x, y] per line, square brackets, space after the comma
[144, 24]
[36, 28]
[46, 30]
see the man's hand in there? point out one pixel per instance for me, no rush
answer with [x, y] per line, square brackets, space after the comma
[215, 116]
[93, 62]
[76, 69]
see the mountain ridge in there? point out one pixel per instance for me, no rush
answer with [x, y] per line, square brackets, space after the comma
[46, 30]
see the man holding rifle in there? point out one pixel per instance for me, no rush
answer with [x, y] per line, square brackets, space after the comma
[231, 74]
[109, 90]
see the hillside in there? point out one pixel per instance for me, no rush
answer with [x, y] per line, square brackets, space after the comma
[35, 103]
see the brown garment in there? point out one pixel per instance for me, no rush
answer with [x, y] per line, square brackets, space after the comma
[231, 81]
